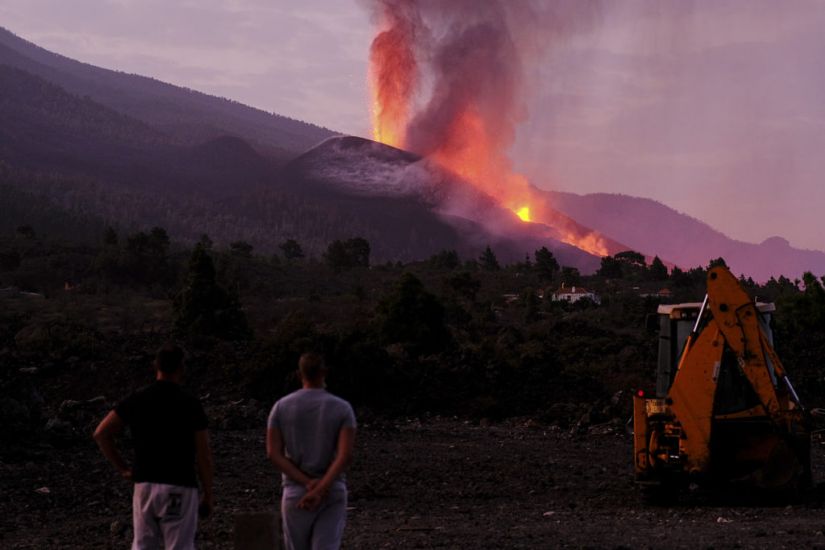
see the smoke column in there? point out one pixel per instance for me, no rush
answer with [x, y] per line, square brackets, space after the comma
[473, 56]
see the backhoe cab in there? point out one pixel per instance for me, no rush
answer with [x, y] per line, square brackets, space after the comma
[724, 409]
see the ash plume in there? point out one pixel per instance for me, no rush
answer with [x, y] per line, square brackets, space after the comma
[449, 80]
[473, 54]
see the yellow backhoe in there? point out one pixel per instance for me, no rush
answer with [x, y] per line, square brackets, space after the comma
[724, 410]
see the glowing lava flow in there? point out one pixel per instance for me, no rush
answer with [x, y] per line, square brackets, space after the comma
[468, 124]
[468, 150]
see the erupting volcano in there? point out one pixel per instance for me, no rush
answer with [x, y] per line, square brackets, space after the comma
[471, 55]
[394, 73]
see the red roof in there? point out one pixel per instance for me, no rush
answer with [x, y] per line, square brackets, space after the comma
[573, 290]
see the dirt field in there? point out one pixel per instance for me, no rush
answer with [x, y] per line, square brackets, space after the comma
[439, 483]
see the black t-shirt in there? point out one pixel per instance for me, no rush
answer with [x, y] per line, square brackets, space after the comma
[163, 418]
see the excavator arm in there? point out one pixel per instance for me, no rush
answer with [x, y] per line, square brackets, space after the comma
[736, 316]
[692, 395]
[762, 435]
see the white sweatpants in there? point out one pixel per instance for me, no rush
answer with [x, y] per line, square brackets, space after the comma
[164, 516]
[320, 529]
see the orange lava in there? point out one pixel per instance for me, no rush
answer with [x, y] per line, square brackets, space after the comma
[393, 80]
[473, 150]
[564, 229]
[473, 146]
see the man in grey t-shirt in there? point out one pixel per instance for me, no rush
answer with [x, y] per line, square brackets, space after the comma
[310, 437]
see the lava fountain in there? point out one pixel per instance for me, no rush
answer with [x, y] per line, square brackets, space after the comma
[394, 70]
[472, 53]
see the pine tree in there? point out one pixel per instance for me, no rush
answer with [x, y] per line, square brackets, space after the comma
[658, 270]
[109, 237]
[358, 250]
[144, 258]
[412, 316]
[342, 255]
[336, 256]
[107, 262]
[203, 308]
[570, 276]
[291, 249]
[531, 305]
[610, 268]
[546, 264]
[488, 260]
[205, 242]
[446, 259]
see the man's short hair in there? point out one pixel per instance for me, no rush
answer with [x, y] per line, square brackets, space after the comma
[311, 365]
[169, 358]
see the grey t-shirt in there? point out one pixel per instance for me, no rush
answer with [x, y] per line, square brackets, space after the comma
[309, 421]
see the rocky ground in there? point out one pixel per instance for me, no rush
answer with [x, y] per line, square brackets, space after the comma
[415, 484]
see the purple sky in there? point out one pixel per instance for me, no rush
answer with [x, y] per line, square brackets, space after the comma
[714, 107]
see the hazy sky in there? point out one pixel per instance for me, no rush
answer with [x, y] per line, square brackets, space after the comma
[714, 107]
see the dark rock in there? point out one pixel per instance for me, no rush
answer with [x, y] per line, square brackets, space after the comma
[67, 406]
[60, 431]
[118, 528]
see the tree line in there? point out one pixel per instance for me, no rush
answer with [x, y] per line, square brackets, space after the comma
[445, 334]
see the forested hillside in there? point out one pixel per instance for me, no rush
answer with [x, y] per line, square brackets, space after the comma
[264, 217]
[452, 335]
[187, 115]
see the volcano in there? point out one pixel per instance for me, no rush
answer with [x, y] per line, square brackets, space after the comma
[356, 167]
[206, 165]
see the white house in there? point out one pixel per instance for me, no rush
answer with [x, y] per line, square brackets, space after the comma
[574, 294]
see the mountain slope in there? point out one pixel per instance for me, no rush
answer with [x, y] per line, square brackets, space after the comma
[45, 128]
[133, 174]
[655, 229]
[189, 116]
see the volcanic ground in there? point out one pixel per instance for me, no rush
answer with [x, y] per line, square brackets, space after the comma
[431, 483]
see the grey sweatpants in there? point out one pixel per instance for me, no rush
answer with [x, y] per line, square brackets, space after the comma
[164, 516]
[319, 529]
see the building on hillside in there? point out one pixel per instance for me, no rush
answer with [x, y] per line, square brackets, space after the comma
[573, 294]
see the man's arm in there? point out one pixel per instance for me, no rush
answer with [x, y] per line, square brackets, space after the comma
[104, 435]
[275, 453]
[343, 459]
[206, 468]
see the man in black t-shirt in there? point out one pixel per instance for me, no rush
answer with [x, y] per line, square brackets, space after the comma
[168, 428]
